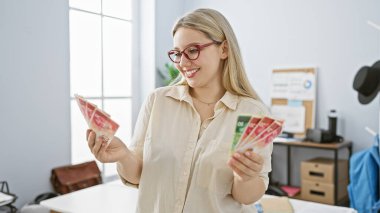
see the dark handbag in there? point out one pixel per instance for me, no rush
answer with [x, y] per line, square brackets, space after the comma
[71, 178]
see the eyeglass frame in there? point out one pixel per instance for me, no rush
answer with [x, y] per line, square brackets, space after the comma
[200, 47]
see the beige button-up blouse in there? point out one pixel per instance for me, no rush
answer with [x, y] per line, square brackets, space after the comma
[185, 161]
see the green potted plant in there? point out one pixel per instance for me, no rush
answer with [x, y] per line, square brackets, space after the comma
[170, 76]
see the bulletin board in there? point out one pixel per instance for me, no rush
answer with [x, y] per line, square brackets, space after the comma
[304, 78]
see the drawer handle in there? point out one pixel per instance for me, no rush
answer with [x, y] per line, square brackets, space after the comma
[313, 192]
[318, 174]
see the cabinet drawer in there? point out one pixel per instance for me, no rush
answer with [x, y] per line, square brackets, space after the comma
[322, 192]
[322, 170]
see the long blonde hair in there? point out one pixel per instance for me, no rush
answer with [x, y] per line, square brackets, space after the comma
[216, 27]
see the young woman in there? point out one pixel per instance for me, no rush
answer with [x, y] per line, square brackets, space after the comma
[179, 158]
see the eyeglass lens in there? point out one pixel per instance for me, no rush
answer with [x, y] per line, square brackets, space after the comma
[190, 53]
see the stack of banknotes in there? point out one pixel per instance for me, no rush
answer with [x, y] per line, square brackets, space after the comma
[97, 120]
[254, 132]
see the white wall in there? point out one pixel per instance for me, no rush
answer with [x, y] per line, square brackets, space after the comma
[330, 35]
[167, 12]
[155, 22]
[34, 91]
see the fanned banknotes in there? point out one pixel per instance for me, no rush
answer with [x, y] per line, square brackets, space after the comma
[97, 120]
[254, 132]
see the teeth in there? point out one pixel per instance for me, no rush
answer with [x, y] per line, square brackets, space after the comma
[190, 72]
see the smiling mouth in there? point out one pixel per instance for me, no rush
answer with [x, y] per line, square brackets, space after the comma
[190, 73]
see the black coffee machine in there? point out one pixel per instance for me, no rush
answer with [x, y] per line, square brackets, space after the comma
[323, 135]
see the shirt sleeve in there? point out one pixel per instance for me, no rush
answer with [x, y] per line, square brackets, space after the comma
[137, 143]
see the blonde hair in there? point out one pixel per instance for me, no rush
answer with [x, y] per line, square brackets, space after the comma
[216, 27]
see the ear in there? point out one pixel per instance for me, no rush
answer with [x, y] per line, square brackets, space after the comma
[223, 50]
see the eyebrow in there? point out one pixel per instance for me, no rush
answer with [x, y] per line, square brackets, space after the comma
[188, 45]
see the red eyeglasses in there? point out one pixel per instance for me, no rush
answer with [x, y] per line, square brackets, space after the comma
[192, 52]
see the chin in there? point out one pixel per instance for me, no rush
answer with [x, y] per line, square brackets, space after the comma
[195, 85]
[191, 84]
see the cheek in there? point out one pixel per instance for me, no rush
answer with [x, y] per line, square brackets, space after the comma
[191, 64]
[210, 63]
[178, 67]
[211, 60]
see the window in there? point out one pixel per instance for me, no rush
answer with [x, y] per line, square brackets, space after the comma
[100, 68]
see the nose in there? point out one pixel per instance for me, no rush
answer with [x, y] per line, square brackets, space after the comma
[184, 61]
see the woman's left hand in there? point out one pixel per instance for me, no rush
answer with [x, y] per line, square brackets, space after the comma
[246, 166]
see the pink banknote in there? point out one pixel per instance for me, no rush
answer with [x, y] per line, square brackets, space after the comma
[264, 123]
[82, 106]
[103, 125]
[269, 137]
[264, 137]
[97, 120]
[251, 125]
[90, 109]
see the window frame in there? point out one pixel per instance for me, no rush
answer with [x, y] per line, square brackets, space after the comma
[134, 96]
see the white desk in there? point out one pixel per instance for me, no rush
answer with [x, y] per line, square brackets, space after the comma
[113, 197]
[301, 206]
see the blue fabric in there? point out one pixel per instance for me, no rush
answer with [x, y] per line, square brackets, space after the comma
[363, 189]
[259, 208]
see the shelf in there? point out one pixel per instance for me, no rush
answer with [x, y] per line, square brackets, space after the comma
[334, 147]
[342, 202]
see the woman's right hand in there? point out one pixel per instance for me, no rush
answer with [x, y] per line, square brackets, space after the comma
[115, 151]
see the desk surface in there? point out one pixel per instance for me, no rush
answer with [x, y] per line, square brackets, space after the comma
[114, 197]
[111, 197]
[301, 206]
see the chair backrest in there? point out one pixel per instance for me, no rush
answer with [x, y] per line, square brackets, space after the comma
[10, 198]
[34, 208]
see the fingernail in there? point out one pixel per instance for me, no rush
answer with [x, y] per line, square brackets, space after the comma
[237, 155]
[248, 154]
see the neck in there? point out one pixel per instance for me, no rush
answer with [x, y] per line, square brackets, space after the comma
[207, 94]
